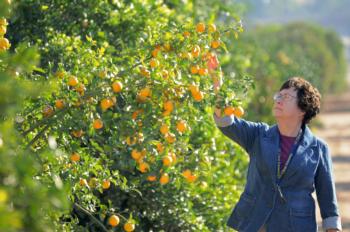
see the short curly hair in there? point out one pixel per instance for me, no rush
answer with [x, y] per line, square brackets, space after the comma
[309, 98]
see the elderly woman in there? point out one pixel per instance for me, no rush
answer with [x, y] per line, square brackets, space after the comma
[287, 164]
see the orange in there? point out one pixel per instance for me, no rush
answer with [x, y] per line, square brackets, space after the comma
[168, 106]
[160, 147]
[155, 52]
[203, 71]
[215, 44]
[105, 104]
[48, 111]
[193, 88]
[167, 161]
[2, 30]
[144, 72]
[4, 44]
[135, 154]
[166, 113]
[151, 178]
[181, 126]
[106, 184]
[98, 124]
[80, 88]
[164, 129]
[229, 110]
[77, 133]
[186, 34]
[200, 28]
[187, 173]
[194, 69]
[167, 47]
[129, 226]
[75, 157]
[211, 28]
[113, 220]
[154, 63]
[191, 178]
[164, 179]
[83, 182]
[3, 22]
[173, 156]
[198, 96]
[170, 138]
[73, 81]
[165, 74]
[195, 51]
[239, 111]
[93, 182]
[59, 104]
[144, 167]
[117, 86]
[145, 92]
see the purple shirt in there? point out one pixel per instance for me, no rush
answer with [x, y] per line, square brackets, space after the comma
[286, 146]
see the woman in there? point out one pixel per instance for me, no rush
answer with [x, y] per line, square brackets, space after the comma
[287, 163]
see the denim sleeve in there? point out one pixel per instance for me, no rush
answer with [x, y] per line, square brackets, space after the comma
[325, 190]
[239, 130]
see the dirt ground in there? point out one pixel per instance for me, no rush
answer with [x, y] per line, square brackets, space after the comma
[336, 132]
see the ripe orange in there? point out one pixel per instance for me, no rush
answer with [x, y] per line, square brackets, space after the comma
[154, 63]
[135, 154]
[59, 104]
[164, 129]
[4, 44]
[186, 34]
[151, 178]
[195, 51]
[193, 89]
[215, 44]
[181, 126]
[145, 92]
[83, 182]
[117, 86]
[106, 184]
[48, 111]
[98, 124]
[77, 133]
[194, 69]
[200, 28]
[203, 71]
[211, 28]
[229, 110]
[170, 138]
[2, 30]
[168, 106]
[106, 103]
[73, 81]
[198, 96]
[80, 88]
[3, 22]
[167, 161]
[129, 226]
[239, 111]
[160, 147]
[144, 167]
[144, 72]
[187, 173]
[164, 179]
[155, 52]
[113, 220]
[192, 178]
[75, 157]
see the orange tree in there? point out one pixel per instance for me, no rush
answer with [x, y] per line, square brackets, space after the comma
[129, 106]
[28, 200]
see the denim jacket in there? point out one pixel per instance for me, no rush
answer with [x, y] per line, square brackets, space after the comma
[289, 205]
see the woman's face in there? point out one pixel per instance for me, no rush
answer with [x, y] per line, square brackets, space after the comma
[286, 105]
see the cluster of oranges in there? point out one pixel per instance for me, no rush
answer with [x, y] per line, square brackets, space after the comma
[4, 43]
[114, 221]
